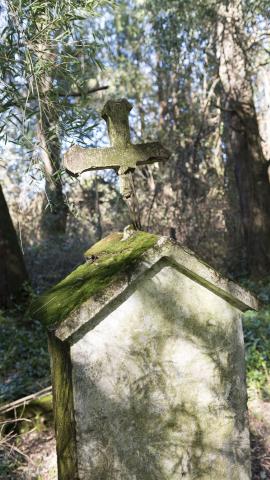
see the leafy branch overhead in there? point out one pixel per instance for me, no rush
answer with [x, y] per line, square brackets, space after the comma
[48, 62]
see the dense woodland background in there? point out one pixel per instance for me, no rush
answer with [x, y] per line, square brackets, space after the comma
[198, 75]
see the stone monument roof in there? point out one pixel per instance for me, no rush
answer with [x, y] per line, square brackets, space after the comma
[112, 266]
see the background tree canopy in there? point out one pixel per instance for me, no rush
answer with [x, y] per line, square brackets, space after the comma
[191, 71]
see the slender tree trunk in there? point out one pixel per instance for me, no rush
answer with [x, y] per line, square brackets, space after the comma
[263, 113]
[246, 168]
[98, 212]
[55, 208]
[13, 273]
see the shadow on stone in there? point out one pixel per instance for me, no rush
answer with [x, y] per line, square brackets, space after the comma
[159, 385]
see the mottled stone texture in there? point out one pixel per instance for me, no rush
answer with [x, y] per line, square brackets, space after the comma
[148, 365]
[123, 155]
[159, 387]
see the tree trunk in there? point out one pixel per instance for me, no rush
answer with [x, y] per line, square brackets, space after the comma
[13, 273]
[263, 110]
[246, 168]
[55, 208]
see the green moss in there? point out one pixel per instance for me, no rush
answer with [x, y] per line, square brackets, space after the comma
[111, 244]
[43, 403]
[38, 414]
[108, 260]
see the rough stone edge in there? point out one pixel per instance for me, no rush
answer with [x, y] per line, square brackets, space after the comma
[63, 407]
[89, 309]
[207, 276]
[176, 256]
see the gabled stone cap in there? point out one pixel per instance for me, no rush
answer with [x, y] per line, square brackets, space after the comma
[114, 264]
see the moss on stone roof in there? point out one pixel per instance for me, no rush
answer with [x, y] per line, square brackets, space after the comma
[108, 260]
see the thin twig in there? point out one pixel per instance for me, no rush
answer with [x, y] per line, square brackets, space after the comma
[88, 92]
[25, 400]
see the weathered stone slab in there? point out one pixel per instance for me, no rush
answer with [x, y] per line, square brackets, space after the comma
[161, 383]
[78, 159]
[149, 368]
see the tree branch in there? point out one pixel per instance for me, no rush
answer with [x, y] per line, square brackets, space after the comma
[21, 103]
[88, 92]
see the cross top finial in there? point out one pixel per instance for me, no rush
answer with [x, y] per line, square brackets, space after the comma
[115, 113]
[116, 106]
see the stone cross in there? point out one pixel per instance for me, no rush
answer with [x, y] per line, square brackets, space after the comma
[122, 155]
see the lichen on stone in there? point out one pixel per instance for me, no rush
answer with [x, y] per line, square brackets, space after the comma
[106, 262]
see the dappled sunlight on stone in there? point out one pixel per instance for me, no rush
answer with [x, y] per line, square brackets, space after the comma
[157, 381]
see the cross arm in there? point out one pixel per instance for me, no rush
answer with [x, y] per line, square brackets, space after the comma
[78, 159]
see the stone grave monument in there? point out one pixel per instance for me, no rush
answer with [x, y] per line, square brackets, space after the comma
[148, 369]
[146, 348]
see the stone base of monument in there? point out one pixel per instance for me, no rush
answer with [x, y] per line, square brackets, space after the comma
[148, 365]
